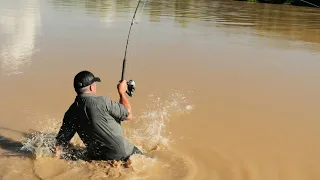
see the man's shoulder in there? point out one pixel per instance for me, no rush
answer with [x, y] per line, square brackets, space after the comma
[103, 100]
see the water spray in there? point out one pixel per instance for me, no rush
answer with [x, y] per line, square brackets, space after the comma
[131, 83]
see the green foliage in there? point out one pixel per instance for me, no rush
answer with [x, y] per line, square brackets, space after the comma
[292, 2]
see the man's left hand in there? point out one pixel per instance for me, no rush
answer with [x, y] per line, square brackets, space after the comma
[57, 151]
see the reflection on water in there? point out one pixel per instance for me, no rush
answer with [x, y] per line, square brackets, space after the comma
[18, 26]
[105, 9]
[275, 21]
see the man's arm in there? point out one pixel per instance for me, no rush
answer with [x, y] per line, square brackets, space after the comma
[125, 102]
[117, 110]
[122, 88]
[121, 110]
[66, 132]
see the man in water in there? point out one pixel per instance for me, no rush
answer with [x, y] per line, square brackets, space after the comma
[97, 120]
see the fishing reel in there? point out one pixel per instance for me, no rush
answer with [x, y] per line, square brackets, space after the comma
[131, 88]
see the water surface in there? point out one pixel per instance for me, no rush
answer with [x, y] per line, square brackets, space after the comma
[228, 90]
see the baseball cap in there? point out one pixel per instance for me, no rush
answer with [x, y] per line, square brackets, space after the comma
[83, 79]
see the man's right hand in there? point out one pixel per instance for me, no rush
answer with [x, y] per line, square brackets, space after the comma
[122, 87]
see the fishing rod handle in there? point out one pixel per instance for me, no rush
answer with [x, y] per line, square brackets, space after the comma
[123, 69]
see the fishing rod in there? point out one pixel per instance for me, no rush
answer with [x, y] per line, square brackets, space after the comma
[131, 83]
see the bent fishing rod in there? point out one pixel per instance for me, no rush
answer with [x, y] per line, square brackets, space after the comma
[131, 83]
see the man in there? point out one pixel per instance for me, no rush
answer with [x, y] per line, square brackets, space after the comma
[97, 120]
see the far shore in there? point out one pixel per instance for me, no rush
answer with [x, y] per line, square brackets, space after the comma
[308, 3]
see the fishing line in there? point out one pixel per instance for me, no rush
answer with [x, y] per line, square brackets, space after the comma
[135, 43]
[131, 83]
[144, 4]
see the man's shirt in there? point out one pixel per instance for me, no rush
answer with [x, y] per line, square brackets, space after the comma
[97, 120]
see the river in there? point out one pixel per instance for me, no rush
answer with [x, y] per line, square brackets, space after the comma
[226, 90]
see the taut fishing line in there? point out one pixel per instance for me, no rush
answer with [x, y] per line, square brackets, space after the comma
[131, 83]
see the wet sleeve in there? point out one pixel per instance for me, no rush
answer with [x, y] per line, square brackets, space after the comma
[67, 130]
[117, 110]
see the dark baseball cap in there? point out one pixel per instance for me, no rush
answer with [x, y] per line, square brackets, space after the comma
[83, 79]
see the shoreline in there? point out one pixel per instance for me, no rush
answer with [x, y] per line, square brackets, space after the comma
[305, 3]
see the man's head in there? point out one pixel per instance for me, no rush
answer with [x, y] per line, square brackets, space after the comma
[85, 82]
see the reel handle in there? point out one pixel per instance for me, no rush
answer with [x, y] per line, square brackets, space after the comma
[131, 88]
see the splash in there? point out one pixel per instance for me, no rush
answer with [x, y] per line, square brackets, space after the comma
[151, 131]
[149, 135]
[41, 142]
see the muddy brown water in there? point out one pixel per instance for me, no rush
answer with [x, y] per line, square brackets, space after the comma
[228, 90]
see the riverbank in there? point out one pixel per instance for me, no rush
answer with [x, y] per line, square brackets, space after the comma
[309, 3]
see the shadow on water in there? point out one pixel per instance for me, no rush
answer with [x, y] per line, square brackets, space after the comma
[14, 148]
[36, 143]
